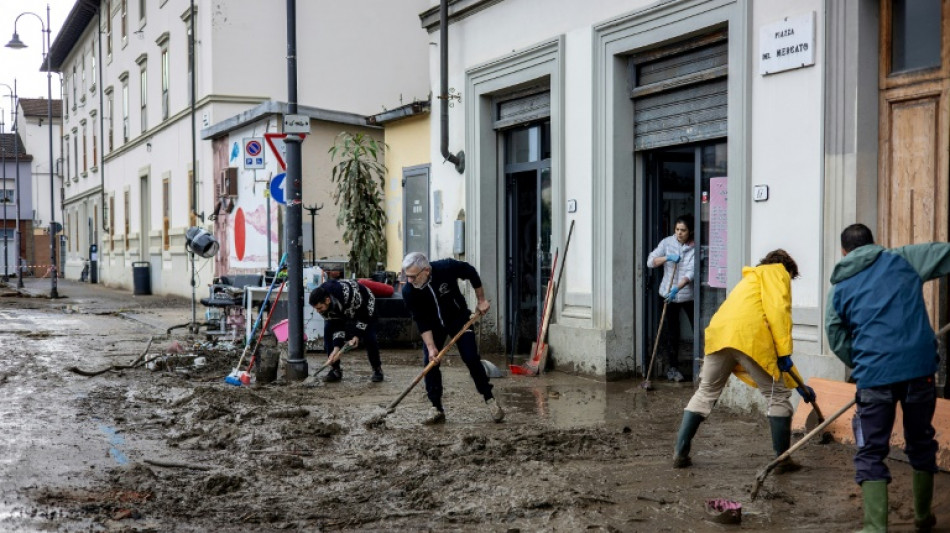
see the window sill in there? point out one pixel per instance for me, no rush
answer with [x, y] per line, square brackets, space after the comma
[76, 179]
[84, 174]
[94, 169]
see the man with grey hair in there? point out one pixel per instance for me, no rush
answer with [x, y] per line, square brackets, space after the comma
[439, 310]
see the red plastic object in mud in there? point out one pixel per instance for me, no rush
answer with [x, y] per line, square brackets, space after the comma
[379, 290]
[723, 511]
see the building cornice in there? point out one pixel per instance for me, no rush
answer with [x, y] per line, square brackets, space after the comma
[458, 9]
[273, 107]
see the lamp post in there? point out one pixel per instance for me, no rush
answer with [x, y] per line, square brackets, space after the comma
[16, 43]
[3, 155]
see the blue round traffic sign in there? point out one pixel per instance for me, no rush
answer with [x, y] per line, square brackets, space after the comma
[254, 148]
[277, 188]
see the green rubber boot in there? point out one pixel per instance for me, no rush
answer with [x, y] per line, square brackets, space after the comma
[924, 519]
[691, 422]
[875, 506]
[781, 427]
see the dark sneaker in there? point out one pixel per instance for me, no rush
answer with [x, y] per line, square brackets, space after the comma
[681, 461]
[333, 376]
[434, 417]
[377, 375]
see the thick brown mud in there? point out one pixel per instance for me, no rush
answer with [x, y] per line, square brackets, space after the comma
[177, 449]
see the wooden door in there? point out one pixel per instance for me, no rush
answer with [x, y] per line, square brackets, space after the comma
[914, 160]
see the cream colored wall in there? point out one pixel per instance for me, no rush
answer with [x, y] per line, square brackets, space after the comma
[408, 142]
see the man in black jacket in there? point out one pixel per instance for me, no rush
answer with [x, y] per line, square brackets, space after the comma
[437, 306]
[349, 311]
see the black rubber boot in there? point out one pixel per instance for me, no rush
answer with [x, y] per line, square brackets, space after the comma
[684, 439]
[781, 427]
[924, 519]
[377, 375]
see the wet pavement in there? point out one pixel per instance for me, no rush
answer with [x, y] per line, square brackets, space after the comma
[176, 449]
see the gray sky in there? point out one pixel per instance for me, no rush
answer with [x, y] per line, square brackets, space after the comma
[24, 65]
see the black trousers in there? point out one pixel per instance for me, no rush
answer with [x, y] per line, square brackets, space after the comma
[468, 349]
[670, 336]
[874, 422]
[367, 340]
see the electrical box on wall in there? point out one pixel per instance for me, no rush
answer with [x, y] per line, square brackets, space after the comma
[229, 181]
[458, 245]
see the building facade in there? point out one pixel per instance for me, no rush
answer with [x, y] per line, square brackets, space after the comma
[775, 124]
[129, 68]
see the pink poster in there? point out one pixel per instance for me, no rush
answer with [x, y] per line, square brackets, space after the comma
[718, 232]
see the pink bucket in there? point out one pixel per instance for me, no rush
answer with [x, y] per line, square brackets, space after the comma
[282, 329]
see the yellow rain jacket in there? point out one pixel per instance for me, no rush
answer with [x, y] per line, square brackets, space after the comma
[756, 319]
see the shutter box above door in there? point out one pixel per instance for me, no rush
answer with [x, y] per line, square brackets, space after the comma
[679, 92]
[516, 109]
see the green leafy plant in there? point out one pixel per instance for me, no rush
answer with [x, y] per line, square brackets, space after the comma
[360, 179]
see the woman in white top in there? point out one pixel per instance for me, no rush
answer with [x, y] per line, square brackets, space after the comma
[677, 249]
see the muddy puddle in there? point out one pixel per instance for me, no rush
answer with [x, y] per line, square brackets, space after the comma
[177, 449]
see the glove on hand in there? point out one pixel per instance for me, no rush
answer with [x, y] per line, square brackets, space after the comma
[785, 363]
[672, 295]
[673, 258]
[807, 393]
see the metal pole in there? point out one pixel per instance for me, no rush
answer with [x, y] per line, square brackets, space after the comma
[6, 252]
[313, 231]
[53, 292]
[296, 363]
[18, 241]
[194, 158]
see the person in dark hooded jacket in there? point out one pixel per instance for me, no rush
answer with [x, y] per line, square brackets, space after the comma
[877, 324]
[349, 311]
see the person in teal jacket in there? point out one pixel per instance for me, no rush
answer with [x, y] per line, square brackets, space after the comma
[877, 324]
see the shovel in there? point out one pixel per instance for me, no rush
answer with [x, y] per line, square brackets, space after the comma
[769, 467]
[339, 353]
[656, 342]
[814, 417]
[378, 419]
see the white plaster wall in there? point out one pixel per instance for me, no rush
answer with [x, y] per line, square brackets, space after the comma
[361, 57]
[787, 154]
[36, 141]
[499, 31]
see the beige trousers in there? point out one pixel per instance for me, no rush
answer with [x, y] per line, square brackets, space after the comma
[715, 374]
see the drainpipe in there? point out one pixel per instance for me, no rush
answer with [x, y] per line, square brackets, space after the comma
[102, 154]
[457, 160]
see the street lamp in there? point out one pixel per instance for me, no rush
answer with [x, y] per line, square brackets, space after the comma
[17, 44]
[6, 252]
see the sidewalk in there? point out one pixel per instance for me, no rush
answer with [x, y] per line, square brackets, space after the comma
[160, 312]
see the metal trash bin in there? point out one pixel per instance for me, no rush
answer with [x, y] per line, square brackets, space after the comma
[141, 278]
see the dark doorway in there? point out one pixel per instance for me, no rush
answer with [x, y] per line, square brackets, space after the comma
[528, 252]
[678, 181]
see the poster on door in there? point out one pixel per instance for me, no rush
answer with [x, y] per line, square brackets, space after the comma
[718, 232]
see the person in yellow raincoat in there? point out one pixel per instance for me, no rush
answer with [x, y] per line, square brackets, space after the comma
[750, 336]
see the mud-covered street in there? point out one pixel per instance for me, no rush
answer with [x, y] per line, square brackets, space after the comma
[174, 448]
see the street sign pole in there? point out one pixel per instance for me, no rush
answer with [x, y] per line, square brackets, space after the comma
[297, 369]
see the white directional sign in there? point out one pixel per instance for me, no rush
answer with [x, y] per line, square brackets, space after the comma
[296, 124]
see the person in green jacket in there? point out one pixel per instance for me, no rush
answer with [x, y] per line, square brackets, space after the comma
[877, 324]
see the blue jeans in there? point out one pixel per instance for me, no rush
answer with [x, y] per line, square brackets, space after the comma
[874, 422]
[469, 352]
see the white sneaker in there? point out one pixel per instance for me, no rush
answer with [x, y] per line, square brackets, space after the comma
[497, 413]
[435, 417]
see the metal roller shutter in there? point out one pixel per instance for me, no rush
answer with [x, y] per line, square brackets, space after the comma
[680, 92]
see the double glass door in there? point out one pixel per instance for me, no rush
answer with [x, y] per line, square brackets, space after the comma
[685, 180]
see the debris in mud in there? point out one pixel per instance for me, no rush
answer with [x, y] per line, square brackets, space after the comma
[723, 511]
[297, 412]
[219, 484]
